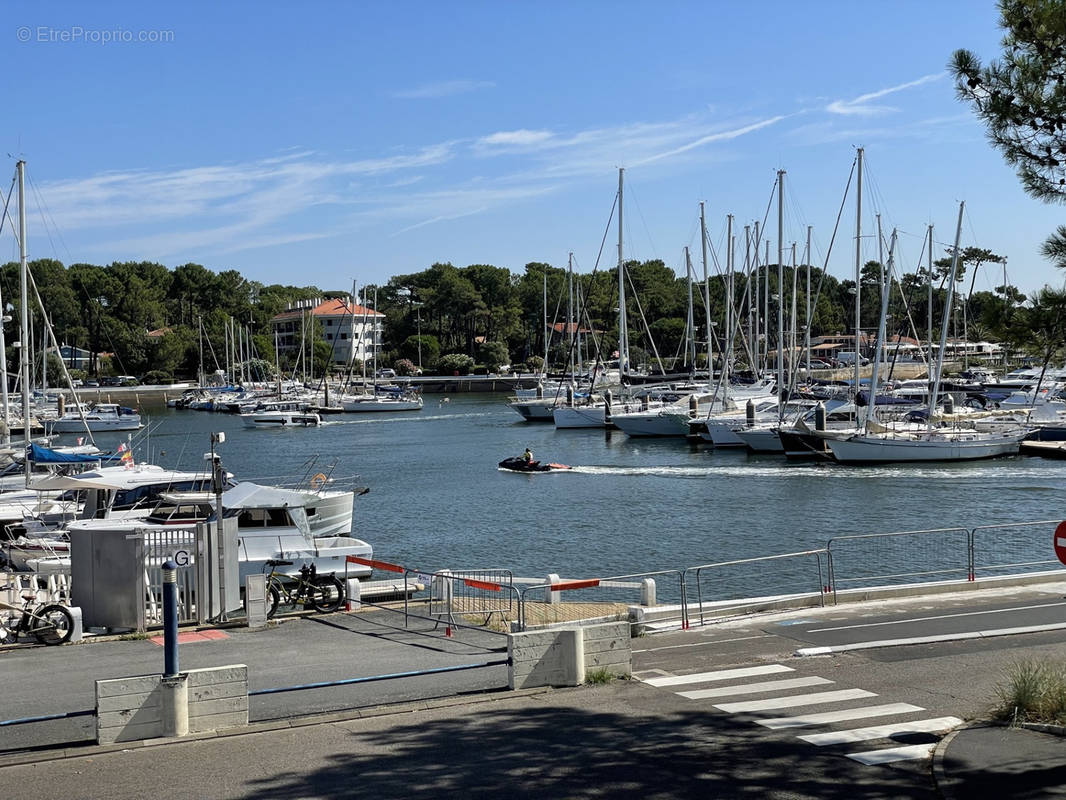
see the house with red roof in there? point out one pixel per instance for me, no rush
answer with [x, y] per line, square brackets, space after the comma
[351, 329]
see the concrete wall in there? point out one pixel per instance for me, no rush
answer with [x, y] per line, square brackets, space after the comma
[128, 709]
[562, 656]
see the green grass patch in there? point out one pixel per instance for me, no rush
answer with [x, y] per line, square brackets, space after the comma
[600, 676]
[1033, 691]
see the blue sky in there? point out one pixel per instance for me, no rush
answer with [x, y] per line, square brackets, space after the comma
[318, 143]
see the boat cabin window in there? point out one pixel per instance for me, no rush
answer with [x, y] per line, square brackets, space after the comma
[140, 496]
[264, 518]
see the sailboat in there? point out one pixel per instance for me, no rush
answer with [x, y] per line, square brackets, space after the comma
[880, 445]
[595, 412]
[383, 398]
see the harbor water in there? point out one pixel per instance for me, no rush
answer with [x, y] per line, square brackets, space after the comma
[438, 501]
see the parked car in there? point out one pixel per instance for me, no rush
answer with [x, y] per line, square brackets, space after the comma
[386, 373]
[818, 364]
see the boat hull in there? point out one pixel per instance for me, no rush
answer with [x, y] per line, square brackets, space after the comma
[880, 450]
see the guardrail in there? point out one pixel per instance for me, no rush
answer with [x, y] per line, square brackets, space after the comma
[899, 557]
[1009, 547]
[802, 579]
[640, 581]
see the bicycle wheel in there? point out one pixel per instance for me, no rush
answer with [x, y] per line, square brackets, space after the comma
[273, 598]
[327, 593]
[52, 624]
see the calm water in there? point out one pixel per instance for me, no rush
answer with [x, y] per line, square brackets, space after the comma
[437, 500]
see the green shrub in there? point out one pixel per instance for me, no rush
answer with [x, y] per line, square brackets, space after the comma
[455, 363]
[1034, 691]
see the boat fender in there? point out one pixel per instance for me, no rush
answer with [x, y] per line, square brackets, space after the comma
[749, 413]
[570, 394]
[819, 417]
[693, 405]
[318, 481]
[949, 404]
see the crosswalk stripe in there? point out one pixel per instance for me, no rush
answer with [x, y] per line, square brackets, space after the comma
[887, 756]
[754, 688]
[795, 701]
[718, 675]
[864, 712]
[882, 731]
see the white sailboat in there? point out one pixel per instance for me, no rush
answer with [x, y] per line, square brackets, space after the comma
[595, 412]
[932, 444]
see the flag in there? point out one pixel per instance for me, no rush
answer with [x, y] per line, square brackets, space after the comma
[127, 457]
[121, 447]
[81, 441]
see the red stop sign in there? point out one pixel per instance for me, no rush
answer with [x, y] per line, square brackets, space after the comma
[1060, 542]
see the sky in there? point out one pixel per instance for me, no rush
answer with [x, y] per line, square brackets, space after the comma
[323, 143]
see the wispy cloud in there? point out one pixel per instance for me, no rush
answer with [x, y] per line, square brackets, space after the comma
[862, 106]
[429, 91]
[713, 137]
[520, 138]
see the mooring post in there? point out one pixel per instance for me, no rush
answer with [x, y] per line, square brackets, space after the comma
[175, 690]
[170, 619]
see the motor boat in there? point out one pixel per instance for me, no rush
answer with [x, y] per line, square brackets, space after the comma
[518, 464]
[100, 417]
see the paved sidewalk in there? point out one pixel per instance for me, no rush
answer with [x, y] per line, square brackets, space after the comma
[985, 760]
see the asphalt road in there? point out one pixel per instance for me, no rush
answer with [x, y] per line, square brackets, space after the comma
[716, 712]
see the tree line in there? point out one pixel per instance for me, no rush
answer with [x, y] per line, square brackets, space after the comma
[448, 318]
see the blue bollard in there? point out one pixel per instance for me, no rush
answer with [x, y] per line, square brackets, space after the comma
[170, 619]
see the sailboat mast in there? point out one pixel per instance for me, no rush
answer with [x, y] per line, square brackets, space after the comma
[780, 293]
[623, 332]
[730, 266]
[545, 306]
[570, 310]
[947, 310]
[807, 316]
[792, 318]
[858, 272]
[886, 287]
[747, 275]
[929, 309]
[707, 297]
[690, 324]
[24, 314]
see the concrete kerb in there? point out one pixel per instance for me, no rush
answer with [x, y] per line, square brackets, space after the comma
[939, 773]
[38, 756]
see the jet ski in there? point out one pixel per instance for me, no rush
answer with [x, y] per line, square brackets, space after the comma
[518, 464]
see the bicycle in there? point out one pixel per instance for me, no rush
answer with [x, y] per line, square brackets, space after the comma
[323, 593]
[48, 623]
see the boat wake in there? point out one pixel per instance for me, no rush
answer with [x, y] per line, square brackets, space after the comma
[971, 472]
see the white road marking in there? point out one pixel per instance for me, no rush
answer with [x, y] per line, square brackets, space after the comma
[718, 675]
[936, 616]
[935, 725]
[947, 637]
[887, 710]
[701, 644]
[887, 756]
[754, 688]
[795, 701]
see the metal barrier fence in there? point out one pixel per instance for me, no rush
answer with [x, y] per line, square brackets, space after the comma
[800, 577]
[450, 593]
[1010, 548]
[900, 557]
[471, 592]
[614, 587]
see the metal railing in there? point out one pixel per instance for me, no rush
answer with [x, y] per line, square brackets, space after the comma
[802, 579]
[899, 557]
[1009, 548]
[613, 587]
